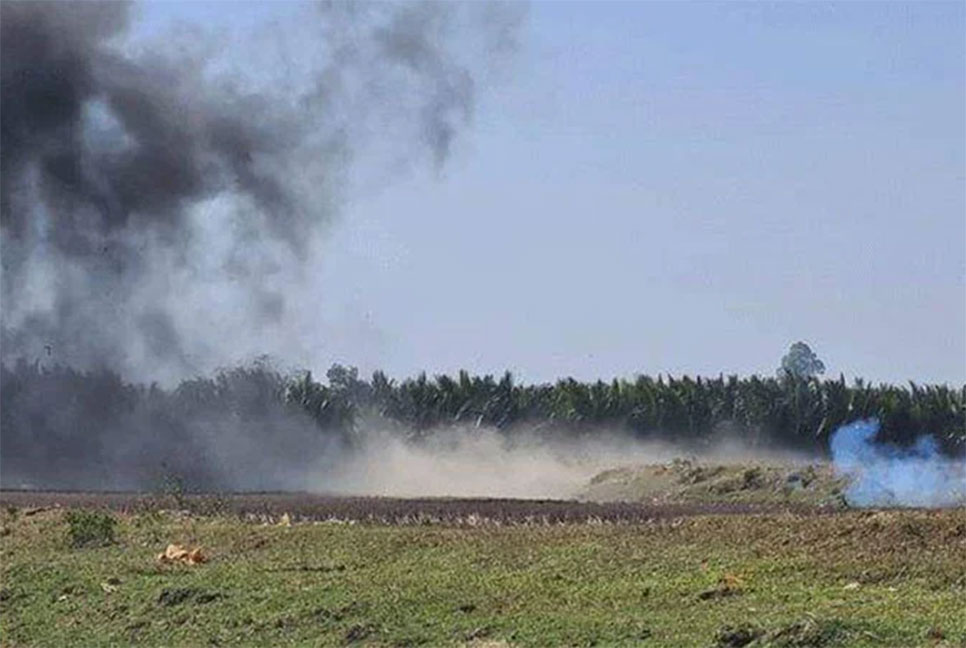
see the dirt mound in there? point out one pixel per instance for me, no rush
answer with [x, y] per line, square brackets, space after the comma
[690, 481]
[808, 633]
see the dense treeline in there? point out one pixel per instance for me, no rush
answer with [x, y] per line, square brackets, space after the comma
[58, 424]
[794, 412]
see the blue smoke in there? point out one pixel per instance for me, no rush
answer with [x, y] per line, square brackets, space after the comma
[886, 475]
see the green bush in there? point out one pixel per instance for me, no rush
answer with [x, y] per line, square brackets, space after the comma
[90, 528]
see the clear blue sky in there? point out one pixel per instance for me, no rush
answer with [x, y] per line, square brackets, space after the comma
[683, 188]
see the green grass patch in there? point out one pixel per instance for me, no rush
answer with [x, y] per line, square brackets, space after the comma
[90, 528]
[849, 579]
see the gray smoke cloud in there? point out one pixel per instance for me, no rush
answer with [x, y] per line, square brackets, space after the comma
[161, 203]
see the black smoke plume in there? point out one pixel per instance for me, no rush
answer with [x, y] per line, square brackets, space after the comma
[162, 207]
[160, 202]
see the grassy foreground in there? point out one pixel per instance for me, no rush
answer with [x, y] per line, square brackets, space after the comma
[847, 579]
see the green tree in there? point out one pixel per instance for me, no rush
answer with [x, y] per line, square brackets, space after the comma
[800, 362]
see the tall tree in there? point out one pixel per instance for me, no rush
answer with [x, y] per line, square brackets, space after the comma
[800, 362]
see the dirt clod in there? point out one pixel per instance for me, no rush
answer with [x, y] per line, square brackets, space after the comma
[169, 597]
[477, 633]
[720, 591]
[179, 595]
[358, 633]
[728, 585]
[935, 634]
[806, 634]
[737, 636]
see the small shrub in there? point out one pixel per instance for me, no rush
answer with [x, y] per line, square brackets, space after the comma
[175, 486]
[90, 528]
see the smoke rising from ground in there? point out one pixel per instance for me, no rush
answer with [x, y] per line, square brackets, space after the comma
[887, 475]
[161, 203]
[161, 208]
[466, 461]
[242, 430]
[252, 428]
[535, 461]
[64, 429]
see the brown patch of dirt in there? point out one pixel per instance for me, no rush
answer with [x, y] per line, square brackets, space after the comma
[303, 507]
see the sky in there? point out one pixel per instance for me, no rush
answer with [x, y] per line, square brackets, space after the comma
[669, 188]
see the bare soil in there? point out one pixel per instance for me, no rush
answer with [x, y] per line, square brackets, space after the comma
[386, 510]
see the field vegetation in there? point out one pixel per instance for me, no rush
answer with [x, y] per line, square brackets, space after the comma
[846, 579]
[62, 418]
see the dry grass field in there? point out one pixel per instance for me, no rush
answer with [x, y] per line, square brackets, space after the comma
[448, 573]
